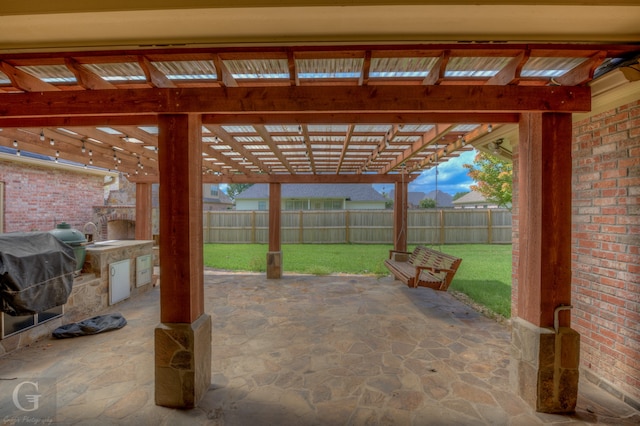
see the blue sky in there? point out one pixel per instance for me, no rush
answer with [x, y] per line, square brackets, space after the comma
[452, 177]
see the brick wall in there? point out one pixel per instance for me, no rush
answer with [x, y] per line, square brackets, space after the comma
[606, 246]
[37, 197]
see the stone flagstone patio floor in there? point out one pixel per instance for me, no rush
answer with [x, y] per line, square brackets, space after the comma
[304, 350]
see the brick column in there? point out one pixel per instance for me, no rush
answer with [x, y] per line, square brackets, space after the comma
[183, 339]
[545, 359]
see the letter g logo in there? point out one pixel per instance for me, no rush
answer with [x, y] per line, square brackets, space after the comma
[32, 398]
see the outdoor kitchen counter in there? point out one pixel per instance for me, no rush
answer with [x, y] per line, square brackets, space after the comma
[94, 297]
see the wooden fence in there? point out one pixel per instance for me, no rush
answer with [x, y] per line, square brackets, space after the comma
[461, 226]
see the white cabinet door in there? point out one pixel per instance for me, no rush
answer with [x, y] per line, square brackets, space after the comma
[119, 281]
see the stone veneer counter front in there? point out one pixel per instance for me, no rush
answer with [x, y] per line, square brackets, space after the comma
[90, 293]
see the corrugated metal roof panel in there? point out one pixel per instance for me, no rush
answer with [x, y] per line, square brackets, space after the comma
[239, 129]
[415, 128]
[371, 128]
[549, 67]
[465, 127]
[328, 128]
[401, 67]
[50, 73]
[188, 70]
[258, 68]
[126, 71]
[483, 67]
[329, 68]
[4, 79]
[282, 128]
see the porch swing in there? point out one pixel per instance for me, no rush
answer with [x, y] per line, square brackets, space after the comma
[424, 266]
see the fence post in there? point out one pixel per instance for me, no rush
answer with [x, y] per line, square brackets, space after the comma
[300, 227]
[346, 226]
[489, 226]
[442, 236]
[253, 226]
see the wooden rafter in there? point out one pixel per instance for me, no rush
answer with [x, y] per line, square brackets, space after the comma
[85, 78]
[583, 73]
[223, 74]
[429, 138]
[227, 139]
[266, 137]
[153, 74]
[345, 147]
[25, 81]
[510, 74]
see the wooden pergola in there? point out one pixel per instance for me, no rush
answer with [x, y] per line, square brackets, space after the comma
[306, 113]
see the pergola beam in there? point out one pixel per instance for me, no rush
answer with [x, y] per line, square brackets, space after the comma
[296, 178]
[311, 99]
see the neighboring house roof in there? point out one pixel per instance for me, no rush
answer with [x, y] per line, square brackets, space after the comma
[414, 198]
[354, 192]
[222, 198]
[472, 197]
[442, 198]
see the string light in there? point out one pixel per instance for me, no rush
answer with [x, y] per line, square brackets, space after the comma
[42, 135]
[83, 148]
[52, 142]
[90, 153]
[18, 153]
[15, 143]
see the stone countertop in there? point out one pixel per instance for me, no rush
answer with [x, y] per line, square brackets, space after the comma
[102, 246]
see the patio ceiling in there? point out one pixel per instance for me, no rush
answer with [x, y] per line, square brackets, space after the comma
[365, 111]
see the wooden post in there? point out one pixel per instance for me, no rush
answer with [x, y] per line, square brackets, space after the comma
[301, 227]
[347, 218]
[489, 227]
[442, 230]
[185, 330]
[144, 228]
[253, 227]
[400, 204]
[274, 256]
[546, 359]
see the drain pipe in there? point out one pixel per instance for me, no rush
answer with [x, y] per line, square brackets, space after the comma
[556, 311]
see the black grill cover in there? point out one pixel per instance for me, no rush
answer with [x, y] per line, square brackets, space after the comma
[36, 272]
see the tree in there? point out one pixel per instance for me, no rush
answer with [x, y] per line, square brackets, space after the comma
[235, 188]
[428, 203]
[494, 178]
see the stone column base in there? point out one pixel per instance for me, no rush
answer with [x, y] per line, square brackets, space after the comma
[183, 362]
[274, 264]
[545, 366]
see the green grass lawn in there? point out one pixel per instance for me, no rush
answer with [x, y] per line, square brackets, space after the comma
[484, 274]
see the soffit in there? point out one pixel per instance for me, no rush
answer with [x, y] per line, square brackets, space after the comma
[80, 25]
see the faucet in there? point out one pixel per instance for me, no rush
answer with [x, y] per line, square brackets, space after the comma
[95, 234]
